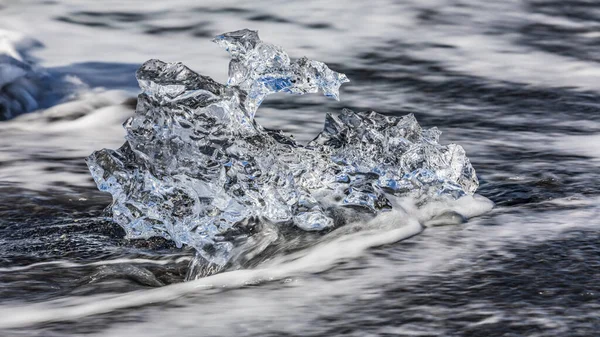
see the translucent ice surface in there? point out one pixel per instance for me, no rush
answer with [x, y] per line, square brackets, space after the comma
[261, 68]
[196, 167]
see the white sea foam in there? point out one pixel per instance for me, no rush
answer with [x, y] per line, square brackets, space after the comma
[581, 145]
[345, 244]
[71, 264]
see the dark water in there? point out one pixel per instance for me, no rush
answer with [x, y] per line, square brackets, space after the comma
[515, 83]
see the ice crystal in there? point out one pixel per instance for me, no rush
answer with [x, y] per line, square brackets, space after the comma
[196, 168]
[261, 69]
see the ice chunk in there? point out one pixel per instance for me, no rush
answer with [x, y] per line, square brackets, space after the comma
[24, 85]
[196, 168]
[20, 83]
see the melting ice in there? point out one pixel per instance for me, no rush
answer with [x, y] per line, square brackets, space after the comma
[197, 168]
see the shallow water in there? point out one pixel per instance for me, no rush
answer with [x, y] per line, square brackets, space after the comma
[514, 83]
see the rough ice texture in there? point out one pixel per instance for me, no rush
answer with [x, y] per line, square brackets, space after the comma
[196, 167]
[262, 68]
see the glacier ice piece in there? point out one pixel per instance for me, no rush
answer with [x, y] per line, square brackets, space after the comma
[197, 168]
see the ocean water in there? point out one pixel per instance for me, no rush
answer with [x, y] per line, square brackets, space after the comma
[514, 82]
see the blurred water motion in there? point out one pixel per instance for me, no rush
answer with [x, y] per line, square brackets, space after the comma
[514, 82]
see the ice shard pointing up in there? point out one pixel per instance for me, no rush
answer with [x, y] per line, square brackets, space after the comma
[261, 68]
